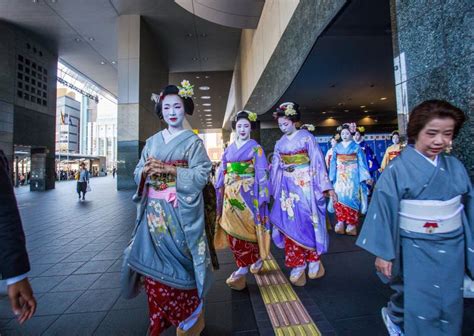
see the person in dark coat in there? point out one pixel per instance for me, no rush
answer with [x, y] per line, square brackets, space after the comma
[14, 263]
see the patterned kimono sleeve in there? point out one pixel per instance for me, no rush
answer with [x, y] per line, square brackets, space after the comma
[141, 163]
[380, 231]
[191, 180]
[385, 159]
[318, 165]
[333, 166]
[261, 176]
[276, 172]
[219, 185]
[364, 174]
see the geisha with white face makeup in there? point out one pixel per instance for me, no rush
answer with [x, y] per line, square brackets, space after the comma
[173, 167]
[349, 174]
[242, 199]
[299, 181]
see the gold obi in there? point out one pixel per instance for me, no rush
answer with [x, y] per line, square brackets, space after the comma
[297, 160]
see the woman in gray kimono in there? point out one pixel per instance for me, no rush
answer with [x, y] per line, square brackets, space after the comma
[420, 225]
[170, 246]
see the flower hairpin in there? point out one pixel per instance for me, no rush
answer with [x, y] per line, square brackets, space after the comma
[186, 90]
[252, 116]
[361, 129]
[309, 127]
[290, 110]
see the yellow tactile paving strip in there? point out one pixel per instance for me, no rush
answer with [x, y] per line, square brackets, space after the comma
[287, 314]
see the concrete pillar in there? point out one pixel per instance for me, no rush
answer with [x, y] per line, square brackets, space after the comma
[27, 97]
[141, 72]
[434, 60]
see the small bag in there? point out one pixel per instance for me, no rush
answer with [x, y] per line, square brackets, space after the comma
[88, 187]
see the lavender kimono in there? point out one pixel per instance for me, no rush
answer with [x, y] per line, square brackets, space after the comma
[243, 196]
[299, 178]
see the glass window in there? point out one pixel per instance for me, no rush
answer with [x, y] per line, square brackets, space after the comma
[19, 93]
[27, 61]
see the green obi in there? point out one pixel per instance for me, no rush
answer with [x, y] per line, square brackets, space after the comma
[296, 159]
[241, 168]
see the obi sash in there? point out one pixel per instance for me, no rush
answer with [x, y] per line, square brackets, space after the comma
[393, 154]
[346, 158]
[427, 216]
[297, 160]
[163, 181]
[241, 168]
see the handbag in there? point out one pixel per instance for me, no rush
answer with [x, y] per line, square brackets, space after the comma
[209, 195]
[88, 187]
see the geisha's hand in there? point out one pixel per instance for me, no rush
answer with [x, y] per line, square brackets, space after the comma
[333, 196]
[370, 182]
[152, 167]
[384, 267]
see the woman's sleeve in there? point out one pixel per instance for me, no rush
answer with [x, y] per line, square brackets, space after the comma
[219, 185]
[378, 235]
[318, 166]
[261, 175]
[140, 165]
[191, 180]
[333, 166]
[276, 172]
[364, 174]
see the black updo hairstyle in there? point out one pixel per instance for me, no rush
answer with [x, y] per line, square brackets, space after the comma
[243, 115]
[343, 127]
[173, 90]
[280, 112]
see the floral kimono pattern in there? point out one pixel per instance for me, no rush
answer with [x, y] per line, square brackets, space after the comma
[242, 200]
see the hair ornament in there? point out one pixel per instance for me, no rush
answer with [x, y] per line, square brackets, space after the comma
[186, 90]
[252, 116]
[361, 129]
[309, 127]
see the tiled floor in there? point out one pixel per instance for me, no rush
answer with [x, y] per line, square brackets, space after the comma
[75, 251]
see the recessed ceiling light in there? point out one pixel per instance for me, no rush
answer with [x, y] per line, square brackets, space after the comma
[205, 97]
[208, 115]
[198, 77]
[207, 76]
[346, 110]
[114, 62]
[77, 39]
[203, 35]
[189, 35]
[206, 104]
[324, 112]
[204, 58]
[207, 110]
[371, 103]
[366, 111]
[195, 58]
[204, 88]
[362, 106]
[102, 62]
[91, 39]
[383, 98]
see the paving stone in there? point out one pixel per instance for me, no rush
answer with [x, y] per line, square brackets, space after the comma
[56, 303]
[98, 266]
[63, 268]
[75, 324]
[76, 282]
[80, 256]
[44, 284]
[130, 322]
[107, 280]
[95, 300]
[34, 326]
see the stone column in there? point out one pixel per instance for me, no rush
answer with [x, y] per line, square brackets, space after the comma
[434, 60]
[141, 72]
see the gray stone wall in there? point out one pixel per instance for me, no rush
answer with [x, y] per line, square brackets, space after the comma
[436, 39]
[309, 20]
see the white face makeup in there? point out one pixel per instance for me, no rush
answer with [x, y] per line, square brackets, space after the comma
[286, 125]
[346, 135]
[243, 128]
[396, 139]
[333, 143]
[173, 111]
[357, 137]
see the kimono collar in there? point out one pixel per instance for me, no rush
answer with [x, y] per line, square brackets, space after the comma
[433, 162]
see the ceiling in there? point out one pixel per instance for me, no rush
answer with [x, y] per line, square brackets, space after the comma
[214, 87]
[84, 35]
[349, 70]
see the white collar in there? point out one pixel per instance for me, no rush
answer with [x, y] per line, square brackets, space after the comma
[168, 136]
[433, 162]
[239, 143]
